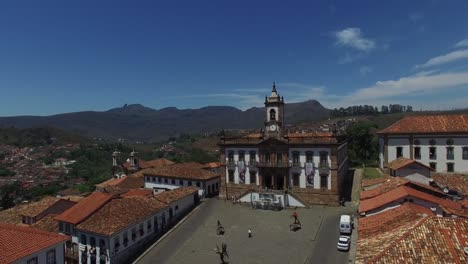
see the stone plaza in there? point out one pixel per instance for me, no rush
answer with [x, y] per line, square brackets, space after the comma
[272, 241]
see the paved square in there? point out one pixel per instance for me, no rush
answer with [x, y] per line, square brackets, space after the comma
[272, 241]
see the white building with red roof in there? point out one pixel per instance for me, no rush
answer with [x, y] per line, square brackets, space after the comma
[437, 141]
[20, 244]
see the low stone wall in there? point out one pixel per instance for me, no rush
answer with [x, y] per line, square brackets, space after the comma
[314, 197]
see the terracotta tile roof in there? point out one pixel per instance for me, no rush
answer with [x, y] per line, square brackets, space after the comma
[389, 220]
[176, 194]
[376, 231]
[12, 215]
[47, 223]
[69, 192]
[403, 162]
[17, 242]
[371, 182]
[456, 182]
[35, 208]
[309, 134]
[85, 208]
[154, 163]
[128, 182]
[190, 171]
[388, 185]
[434, 240]
[399, 193]
[73, 198]
[137, 192]
[121, 213]
[291, 137]
[461, 212]
[429, 124]
[212, 165]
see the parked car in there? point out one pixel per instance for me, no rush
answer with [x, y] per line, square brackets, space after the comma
[344, 243]
[346, 224]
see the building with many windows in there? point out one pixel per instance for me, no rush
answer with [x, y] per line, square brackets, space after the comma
[438, 141]
[288, 168]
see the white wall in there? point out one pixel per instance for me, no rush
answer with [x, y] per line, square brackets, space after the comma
[460, 141]
[42, 255]
[202, 188]
[316, 160]
[236, 159]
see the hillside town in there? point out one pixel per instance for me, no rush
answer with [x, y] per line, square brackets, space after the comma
[408, 210]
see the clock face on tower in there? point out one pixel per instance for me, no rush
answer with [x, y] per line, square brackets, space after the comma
[273, 128]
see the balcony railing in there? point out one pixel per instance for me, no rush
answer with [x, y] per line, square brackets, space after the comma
[280, 164]
[296, 164]
[253, 163]
[231, 163]
[324, 168]
[432, 156]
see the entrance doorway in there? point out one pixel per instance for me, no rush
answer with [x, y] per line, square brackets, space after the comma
[268, 181]
[279, 182]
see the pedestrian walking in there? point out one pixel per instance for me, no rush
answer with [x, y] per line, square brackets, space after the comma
[250, 233]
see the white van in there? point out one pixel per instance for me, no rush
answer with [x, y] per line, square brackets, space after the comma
[346, 226]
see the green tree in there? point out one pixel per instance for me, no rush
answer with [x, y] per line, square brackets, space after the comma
[363, 145]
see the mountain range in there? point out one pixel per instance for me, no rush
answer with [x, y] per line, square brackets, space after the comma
[136, 122]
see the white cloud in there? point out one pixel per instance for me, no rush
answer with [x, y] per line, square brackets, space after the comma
[364, 70]
[446, 58]
[462, 43]
[352, 37]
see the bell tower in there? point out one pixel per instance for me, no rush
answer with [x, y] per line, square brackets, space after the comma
[274, 114]
[134, 164]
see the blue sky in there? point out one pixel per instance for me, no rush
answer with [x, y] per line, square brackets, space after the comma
[57, 56]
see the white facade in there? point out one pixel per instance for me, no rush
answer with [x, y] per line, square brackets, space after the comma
[56, 250]
[440, 159]
[205, 187]
[253, 179]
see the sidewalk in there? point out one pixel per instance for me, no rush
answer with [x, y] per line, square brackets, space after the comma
[355, 196]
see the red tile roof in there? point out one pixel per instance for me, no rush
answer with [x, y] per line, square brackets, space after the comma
[388, 185]
[47, 223]
[212, 165]
[35, 208]
[370, 182]
[85, 208]
[143, 164]
[176, 194]
[376, 231]
[429, 124]
[128, 182]
[403, 162]
[456, 182]
[121, 213]
[137, 192]
[190, 171]
[434, 240]
[18, 242]
[399, 193]
[370, 226]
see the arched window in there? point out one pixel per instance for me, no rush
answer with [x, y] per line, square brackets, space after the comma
[272, 114]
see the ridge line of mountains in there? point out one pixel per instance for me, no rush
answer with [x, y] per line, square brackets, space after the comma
[136, 122]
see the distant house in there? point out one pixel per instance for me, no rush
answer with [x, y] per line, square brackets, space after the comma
[25, 245]
[404, 167]
[437, 141]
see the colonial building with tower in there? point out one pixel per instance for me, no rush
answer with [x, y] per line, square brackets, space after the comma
[279, 167]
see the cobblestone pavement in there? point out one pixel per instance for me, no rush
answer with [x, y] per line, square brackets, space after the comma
[194, 240]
